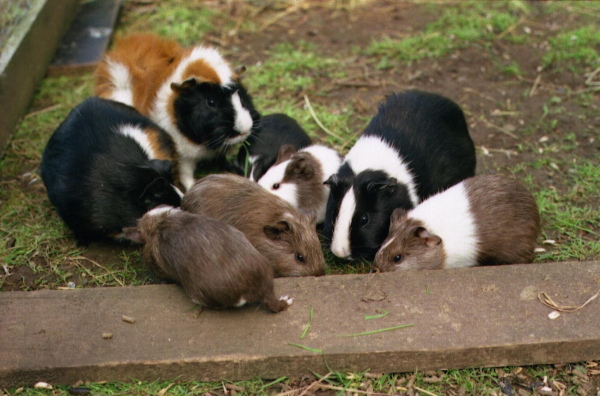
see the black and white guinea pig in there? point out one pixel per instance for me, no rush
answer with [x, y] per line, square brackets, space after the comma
[263, 146]
[105, 166]
[192, 93]
[297, 177]
[417, 145]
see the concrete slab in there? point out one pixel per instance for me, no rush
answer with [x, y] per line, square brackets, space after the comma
[462, 318]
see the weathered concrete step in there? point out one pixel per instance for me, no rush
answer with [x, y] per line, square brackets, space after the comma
[462, 318]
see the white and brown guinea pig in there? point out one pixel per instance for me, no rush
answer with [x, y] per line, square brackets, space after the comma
[193, 94]
[297, 177]
[214, 262]
[285, 235]
[484, 220]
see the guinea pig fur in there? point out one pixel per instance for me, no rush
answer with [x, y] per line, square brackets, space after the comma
[193, 94]
[285, 235]
[418, 144]
[483, 220]
[297, 177]
[105, 166]
[263, 146]
[214, 262]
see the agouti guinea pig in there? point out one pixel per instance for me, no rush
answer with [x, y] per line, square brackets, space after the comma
[105, 166]
[214, 262]
[483, 220]
[285, 235]
[298, 177]
[193, 94]
[263, 146]
[417, 145]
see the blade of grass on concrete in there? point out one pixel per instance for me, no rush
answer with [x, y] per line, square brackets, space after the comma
[382, 314]
[309, 323]
[375, 331]
[315, 350]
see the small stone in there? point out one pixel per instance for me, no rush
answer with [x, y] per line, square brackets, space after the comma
[107, 336]
[128, 319]
[553, 315]
[71, 285]
[42, 385]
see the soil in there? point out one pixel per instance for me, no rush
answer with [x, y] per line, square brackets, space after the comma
[469, 76]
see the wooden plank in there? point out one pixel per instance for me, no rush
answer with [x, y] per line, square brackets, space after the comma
[86, 41]
[461, 318]
[26, 66]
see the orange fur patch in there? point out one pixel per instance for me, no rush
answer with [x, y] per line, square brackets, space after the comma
[162, 153]
[149, 59]
[202, 72]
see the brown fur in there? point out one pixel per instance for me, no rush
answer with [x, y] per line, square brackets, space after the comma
[413, 243]
[507, 219]
[161, 144]
[507, 225]
[215, 263]
[285, 153]
[272, 225]
[305, 171]
[150, 60]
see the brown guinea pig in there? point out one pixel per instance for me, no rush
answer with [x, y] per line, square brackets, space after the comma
[215, 263]
[285, 235]
[482, 220]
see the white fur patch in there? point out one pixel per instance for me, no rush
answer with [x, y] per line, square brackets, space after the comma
[241, 303]
[251, 160]
[340, 244]
[121, 80]
[371, 153]
[286, 191]
[387, 243]
[289, 300]
[448, 216]
[136, 133]
[162, 209]
[178, 191]
[242, 120]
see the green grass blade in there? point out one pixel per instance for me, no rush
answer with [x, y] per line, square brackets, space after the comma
[375, 331]
[315, 350]
[309, 323]
[278, 380]
[247, 159]
[381, 315]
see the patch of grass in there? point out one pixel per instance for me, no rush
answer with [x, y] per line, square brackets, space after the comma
[574, 49]
[457, 27]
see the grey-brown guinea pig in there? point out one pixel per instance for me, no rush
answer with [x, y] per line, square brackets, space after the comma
[215, 263]
[483, 220]
[286, 236]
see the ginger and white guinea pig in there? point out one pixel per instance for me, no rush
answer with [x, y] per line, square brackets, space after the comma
[263, 146]
[285, 235]
[417, 144]
[193, 94]
[214, 262]
[483, 220]
[298, 177]
[105, 166]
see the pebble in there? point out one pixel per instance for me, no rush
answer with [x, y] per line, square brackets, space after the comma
[553, 315]
[71, 285]
[128, 319]
[42, 385]
[107, 336]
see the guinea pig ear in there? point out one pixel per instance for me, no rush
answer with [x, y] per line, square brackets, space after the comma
[238, 71]
[388, 185]
[301, 169]
[276, 231]
[187, 84]
[132, 234]
[285, 153]
[428, 238]
[332, 181]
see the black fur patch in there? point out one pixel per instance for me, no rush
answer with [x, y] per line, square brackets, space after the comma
[100, 180]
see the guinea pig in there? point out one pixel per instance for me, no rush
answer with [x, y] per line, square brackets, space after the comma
[285, 235]
[263, 146]
[418, 144]
[214, 262]
[105, 166]
[298, 177]
[483, 220]
[193, 94]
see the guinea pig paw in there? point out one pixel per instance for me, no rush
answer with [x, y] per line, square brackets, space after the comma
[287, 299]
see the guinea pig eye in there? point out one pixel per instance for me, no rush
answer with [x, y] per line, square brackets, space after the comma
[398, 258]
[364, 220]
[210, 102]
[275, 186]
[299, 257]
